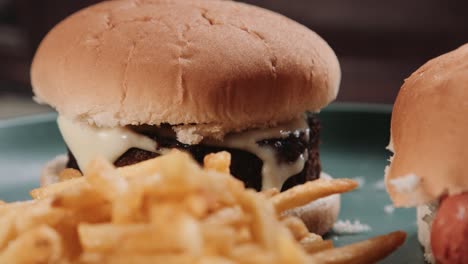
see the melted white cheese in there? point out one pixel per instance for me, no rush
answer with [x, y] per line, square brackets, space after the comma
[88, 142]
[274, 174]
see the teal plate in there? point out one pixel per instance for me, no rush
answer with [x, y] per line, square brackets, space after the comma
[353, 146]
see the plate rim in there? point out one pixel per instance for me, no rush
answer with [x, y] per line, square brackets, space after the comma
[334, 107]
[359, 107]
[27, 120]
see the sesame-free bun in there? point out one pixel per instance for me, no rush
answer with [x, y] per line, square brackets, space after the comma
[429, 132]
[217, 63]
[51, 170]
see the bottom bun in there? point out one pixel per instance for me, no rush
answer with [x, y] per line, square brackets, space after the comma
[319, 216]
[425, 217]
[50, 172]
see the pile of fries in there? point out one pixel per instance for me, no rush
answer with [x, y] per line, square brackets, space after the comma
[170, 210]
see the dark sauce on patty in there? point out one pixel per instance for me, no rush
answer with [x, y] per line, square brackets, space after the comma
[245, 166]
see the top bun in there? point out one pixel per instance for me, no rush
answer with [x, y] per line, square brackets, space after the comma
[429, 132]
[216, 63]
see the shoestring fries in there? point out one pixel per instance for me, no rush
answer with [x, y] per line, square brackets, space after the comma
[171, 210]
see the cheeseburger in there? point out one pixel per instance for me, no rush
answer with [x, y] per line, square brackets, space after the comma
[132, 80]
[429, 139]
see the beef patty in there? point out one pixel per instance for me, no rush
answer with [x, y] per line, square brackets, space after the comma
[244, 165]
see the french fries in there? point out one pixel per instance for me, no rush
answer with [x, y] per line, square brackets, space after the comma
[170, 210]
[142, 168]
[317, 246]
[68, 174]
[369, 251]
[39, 245]
[218, 161]
[296, 226]
[302, 194]
[140, 259]
[50, 190]
[270, 192]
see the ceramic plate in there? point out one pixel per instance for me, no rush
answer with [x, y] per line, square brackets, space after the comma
[353, 139]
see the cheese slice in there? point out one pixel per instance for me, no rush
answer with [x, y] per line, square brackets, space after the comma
[87, 142]
[274, 174]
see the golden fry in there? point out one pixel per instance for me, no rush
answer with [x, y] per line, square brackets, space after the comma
[368, 251]
[311, 237]
[219, 239]
[121, 258]
[262, 222]
[16, 207]
[149, 167]
[78, 198]
[38, 216]
[170, 210]
[218, 161]
[40, 245]
[7, 229]
[68, 174]
[252, 254]
[127, 208]
[141, 238]
[216, 260]
[270, 192]
[52, 189]
[296, 226]
[288, 251]
[312, 247]
[303, 194]
[105, 179]
[233, 216]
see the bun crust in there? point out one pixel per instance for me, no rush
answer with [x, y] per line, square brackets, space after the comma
[319, 216]
[211, 62]
[429, 131]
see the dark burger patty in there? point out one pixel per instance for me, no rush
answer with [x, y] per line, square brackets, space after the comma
[244, 165]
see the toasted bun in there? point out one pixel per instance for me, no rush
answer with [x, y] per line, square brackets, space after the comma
[210, 62]
[318, 216]
[429, 132]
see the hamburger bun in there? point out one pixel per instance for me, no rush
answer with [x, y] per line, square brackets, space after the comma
[429, 132]
[319, 216]
[52, 169]
[201, 59]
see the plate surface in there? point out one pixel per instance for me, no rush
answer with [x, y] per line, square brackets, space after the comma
[353, 139]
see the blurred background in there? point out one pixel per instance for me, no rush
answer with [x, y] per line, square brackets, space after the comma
[379, 43]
